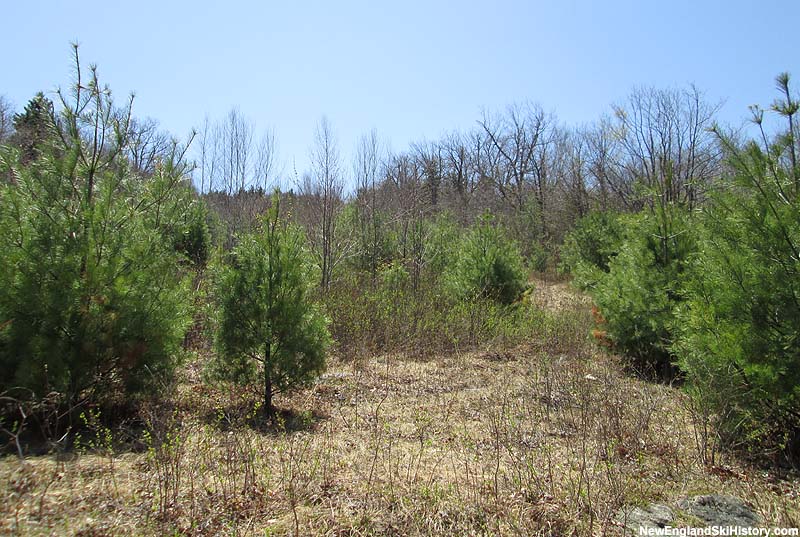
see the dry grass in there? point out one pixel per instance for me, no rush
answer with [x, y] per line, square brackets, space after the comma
[549, 438]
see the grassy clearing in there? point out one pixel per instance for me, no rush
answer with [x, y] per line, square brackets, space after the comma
[547, 438]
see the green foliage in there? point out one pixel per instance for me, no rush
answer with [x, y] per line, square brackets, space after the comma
[740, 342]
[266, 318]
[488, 265]
[590, 246]
[34, 126]
[394, 277]
[537, 257]
[441, 249]
[638, 295]
[393, 316]
[187, 227]
[91, 304]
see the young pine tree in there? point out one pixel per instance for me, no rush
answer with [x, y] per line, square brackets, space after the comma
[267, 323]
[740, 337]
[488, 265]
[91, 304]
[638, 294]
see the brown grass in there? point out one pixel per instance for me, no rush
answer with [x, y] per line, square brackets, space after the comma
[548, 438]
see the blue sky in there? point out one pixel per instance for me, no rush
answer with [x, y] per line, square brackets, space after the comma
[413, 70]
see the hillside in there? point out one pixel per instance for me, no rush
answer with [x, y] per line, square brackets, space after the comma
[550, 437]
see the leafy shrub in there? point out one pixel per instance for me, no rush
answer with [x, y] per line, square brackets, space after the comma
[488, 265]
[268, 325]
[394, 277]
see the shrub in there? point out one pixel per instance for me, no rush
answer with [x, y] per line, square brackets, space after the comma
[266, 318]
[488, 265]
[590, 246]
[441, 248]
[638, 295]
[189, 229]
[538, 257]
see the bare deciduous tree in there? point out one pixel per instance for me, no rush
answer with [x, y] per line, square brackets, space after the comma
[265, 167]
[237, 147]
[522, 137]
[208, 157]
[667, 143]
[236, 171]
[147, 145]
[366, 171]
[461, 155]
[429, 158]
[6, 119]
[614, 189]
[321, 192]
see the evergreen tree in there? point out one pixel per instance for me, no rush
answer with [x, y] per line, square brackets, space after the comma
[34, 126]
[740, 337]
[267, 320]
[638, 295]
[91, 303]
[589, 247]
[488, 265]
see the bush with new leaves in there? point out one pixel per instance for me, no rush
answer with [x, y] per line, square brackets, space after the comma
[268, 326]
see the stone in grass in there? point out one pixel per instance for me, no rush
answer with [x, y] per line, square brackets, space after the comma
[655, 515]
[720, 510]
[709, 509]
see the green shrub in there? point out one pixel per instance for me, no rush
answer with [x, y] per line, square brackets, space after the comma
[394, 277]
[189, 229]
[441, 248]
[639, 294]
[489, 265]
[590, 246]
[538, 258]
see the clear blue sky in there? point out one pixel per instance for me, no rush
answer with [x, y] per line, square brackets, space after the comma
[411, 69]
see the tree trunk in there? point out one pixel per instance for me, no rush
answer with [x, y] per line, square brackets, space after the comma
[268, 408]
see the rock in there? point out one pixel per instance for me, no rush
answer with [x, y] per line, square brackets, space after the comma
[332, 376]
[655, 515]
[710, 509]
[719, 510]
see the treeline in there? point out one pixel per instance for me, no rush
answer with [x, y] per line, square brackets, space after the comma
[535, 174]
[119, 250]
